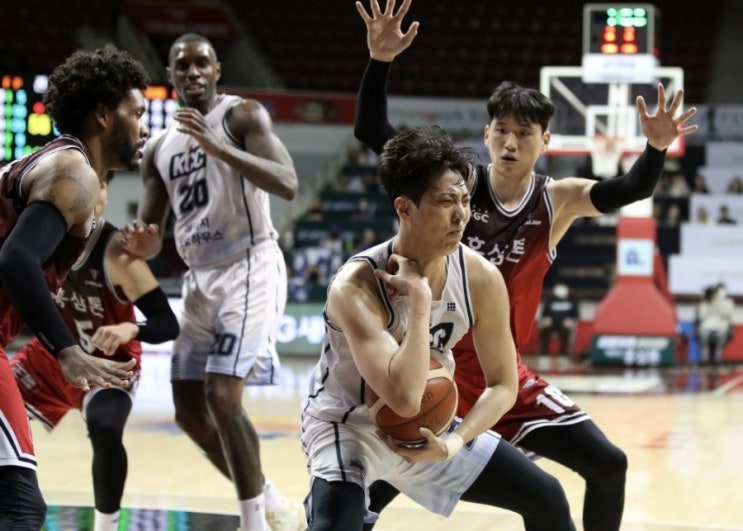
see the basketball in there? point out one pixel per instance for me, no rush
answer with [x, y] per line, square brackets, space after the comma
[438, 406]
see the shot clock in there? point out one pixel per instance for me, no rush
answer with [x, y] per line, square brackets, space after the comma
[619, 42]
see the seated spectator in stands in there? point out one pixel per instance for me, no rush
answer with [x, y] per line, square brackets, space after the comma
[559, 317]
[735, 186]
[345, 182]
[663, 186]
[367, 239]
[673, 216]
[699, 185]
[702, 216]
[678, 186]
[315, 210]
[714, 323]
[364, 209]
[724, 218]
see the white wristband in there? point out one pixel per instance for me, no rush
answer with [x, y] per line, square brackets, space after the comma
[454, 443]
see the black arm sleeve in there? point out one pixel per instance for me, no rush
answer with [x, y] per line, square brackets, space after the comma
[37, 233]
[371, 125]
[161, 324]
[638, 183]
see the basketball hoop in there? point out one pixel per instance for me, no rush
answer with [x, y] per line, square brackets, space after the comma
[606, 153]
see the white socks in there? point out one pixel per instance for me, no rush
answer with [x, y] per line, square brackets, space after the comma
[106, 522]
[252, 514]
[274, 498]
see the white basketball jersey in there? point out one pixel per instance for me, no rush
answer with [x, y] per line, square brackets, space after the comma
[218, 213]
[336, 387]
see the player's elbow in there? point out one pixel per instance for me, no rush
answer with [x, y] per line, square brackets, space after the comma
[406, 404]
[171, 328]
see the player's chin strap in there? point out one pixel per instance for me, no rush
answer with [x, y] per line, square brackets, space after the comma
[454, 443]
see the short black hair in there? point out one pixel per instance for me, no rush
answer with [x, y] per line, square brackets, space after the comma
[525, 104]
[89, 78]
[190, 37]
[413, 158]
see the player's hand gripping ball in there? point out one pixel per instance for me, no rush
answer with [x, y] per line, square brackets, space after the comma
[438, 406]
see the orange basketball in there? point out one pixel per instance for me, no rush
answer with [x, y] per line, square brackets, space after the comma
[438, 406]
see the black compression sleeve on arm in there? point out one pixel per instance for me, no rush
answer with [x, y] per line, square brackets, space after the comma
[37, 233]
[638, 183]
[161, 324]
[371, 125]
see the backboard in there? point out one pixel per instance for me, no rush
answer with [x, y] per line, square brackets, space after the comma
[588, 110]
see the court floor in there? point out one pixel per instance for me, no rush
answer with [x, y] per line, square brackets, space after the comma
[682, 429]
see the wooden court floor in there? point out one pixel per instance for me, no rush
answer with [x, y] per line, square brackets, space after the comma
[681, 428]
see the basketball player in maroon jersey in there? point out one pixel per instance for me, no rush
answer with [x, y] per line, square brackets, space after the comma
[518, 219]
[97, 303]
[47, 203]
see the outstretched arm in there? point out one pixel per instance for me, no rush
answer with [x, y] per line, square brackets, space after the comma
[386, 40]
[583, 197]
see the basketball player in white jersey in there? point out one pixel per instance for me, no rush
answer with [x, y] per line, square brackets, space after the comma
[215, 167]
[391, 308]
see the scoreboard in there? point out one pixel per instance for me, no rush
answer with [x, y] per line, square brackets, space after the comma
[620, 29]
[25, 125]
[620, 43]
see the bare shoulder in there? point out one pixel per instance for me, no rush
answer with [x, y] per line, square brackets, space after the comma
[353, 285]
[248, 116]
[483, 276]
[64, 179]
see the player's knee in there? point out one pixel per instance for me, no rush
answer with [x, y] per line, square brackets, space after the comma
[223, 402]
[104, 432]
[615, 462]
[554, 505]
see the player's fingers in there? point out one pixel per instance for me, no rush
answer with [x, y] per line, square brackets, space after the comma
[687, 114]
[661, 97]
[364, 15]
[404, 7]
[642, 108]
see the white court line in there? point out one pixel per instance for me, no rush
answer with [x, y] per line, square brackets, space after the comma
[728, 386]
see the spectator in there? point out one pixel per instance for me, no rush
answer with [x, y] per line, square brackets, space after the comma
[559, 316]
[678, 187]
[702, 216]
[699, 185]
[315, 210]
[724, 216]
[735, 186]
[714, 324]
[673, 216]
[367, 239]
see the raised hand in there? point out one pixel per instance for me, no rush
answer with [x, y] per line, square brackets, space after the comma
[663, 127]
[83, 370]
[384, 34]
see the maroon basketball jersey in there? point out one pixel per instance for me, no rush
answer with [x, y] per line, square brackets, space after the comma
[12, 203]
[517, 241]
[88, 300]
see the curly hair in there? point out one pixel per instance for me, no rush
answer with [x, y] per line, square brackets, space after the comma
[89, 78]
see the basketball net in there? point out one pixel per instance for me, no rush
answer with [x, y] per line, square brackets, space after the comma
[606, 153]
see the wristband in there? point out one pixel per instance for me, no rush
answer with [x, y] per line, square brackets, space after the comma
[454, 443]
